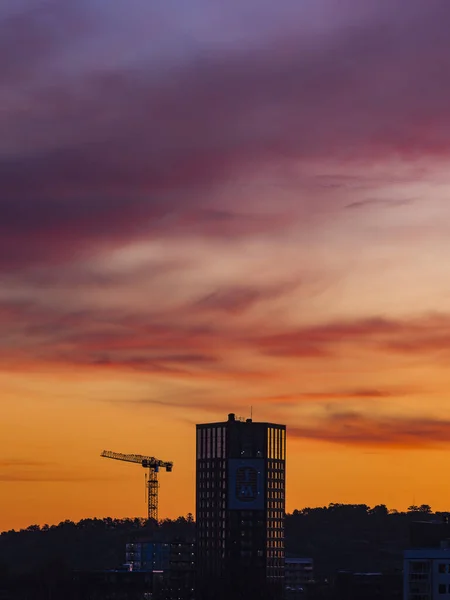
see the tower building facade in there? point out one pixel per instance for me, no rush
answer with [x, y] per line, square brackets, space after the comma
[240, 508]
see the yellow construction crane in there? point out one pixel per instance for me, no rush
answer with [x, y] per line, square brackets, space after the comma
[153, 465]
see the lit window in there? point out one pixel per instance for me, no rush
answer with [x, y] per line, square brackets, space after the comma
[199, 443]
[219, 442]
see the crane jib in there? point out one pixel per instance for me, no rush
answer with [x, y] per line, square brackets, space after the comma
[153, 465]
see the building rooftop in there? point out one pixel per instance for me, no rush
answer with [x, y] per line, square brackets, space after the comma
[427, 553]
[232, 418]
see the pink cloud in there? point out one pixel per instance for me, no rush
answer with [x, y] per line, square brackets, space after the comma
[192, 340]
[425, 335]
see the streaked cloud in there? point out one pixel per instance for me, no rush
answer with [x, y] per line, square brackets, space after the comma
[19, 462]
[374, 203]
[237, 300]
[190, 339]
[428, 334]
[23, 470]
[48, 477]
[366, 430]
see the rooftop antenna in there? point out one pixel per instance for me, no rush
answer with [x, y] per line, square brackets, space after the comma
[251, 413]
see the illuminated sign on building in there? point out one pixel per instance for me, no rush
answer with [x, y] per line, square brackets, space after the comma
[246, 484]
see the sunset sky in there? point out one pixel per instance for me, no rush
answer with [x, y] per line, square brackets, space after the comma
[208, 206]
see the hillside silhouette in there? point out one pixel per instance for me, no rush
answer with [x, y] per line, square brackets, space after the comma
[90, 544]
[337, 536]
[353, 537]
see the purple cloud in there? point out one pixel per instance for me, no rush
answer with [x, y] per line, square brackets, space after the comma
[104, 155]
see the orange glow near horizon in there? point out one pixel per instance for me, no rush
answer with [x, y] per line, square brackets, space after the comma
[355, 446]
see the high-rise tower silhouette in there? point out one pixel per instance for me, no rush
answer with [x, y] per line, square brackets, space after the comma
[240, 507]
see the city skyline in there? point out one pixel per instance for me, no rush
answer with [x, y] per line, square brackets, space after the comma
[204, 210]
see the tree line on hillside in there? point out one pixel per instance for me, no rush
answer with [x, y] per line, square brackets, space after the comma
[337, 536]
[353, 536]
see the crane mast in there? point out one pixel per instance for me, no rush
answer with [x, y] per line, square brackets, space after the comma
[153, 465]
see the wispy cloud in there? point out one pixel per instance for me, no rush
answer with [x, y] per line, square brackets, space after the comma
[21, 462]
[190, 342]
[332, 395]
[23, 470]
[375, 203]
[366, 430]
[428, 334]
[237, 300]
[49, 477]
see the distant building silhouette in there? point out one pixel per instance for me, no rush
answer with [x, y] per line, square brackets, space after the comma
[171, 565]
[148, 556]
[240, 506]
[298, 576]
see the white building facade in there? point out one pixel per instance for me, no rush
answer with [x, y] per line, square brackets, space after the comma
[426, 574]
